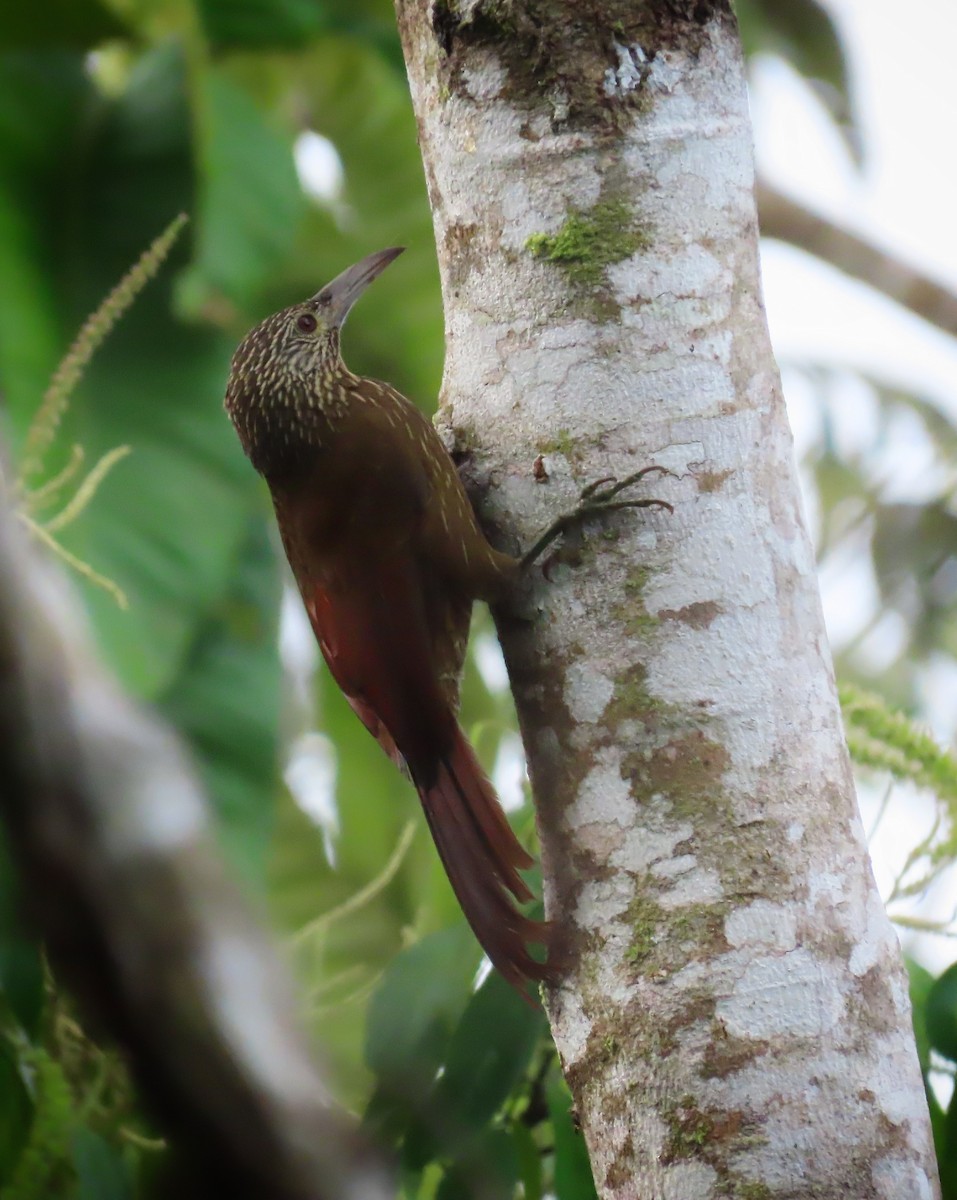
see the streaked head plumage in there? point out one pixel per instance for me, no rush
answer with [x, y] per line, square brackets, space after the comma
[287, 348]
[288, 371]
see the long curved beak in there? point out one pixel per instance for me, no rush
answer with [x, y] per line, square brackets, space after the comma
[339, 296]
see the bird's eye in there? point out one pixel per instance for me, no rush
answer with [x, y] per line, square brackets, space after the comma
[306, 322]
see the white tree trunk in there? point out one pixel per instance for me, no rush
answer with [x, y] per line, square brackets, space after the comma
[735, 1019]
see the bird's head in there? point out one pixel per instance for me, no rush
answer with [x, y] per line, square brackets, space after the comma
[291, 355]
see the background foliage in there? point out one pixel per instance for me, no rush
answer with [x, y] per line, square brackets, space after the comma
[115, 115]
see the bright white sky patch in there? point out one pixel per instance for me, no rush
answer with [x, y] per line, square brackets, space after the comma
[310, 775]
[319, 167]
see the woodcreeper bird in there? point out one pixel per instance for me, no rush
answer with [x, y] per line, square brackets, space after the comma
[389, 557]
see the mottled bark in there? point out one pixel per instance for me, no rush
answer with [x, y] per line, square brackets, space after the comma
[735, 1018]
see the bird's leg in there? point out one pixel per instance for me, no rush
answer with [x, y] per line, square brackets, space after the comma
[595, 501]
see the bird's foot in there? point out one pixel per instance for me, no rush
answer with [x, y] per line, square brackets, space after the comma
[596, 500]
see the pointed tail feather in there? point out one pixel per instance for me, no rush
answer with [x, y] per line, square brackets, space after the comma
[482, 858]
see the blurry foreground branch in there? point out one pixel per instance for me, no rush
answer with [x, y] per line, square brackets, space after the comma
[122, 879]
[788, 221]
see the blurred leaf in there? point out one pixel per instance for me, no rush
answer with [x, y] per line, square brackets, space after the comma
[921, 981]
[372, 797]
[21, 968]
[363, 107]
[337, 963]
[803, 32]
[411, 1018]
[837, 481]
[940, 1014]
[914, 550]
[250, 201]
[573, 1175]
[41, 96]
[261, 23]
[102, 1173]
[274, 24]
[16, 1111]
[490, 1173]
[371, 23]
[946, 1147]
[921, 984]
[936, 420]
[58, 23]
[487, 1056]
[172, 525]
[167, 524]
[297, 865]
[350, 95]
[529, 1157]
[43, 1166]
[374, 801]
[226, 699]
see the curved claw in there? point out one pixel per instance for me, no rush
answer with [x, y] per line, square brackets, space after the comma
[649, 503]
[595, 503]
[619, 485]
[588, 492]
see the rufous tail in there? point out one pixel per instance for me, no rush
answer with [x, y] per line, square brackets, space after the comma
[482, 858]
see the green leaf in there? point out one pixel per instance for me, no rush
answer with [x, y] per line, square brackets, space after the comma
[529, 1157]
[250, 202]
[573, 1174]
[360, 103]
[372, 797]
[274, 24]
[42, 1164]
[261, 23]
[80, 24]
[946, 1146]
[489, 1173]
[167, 524]
[102, 1173]
[803, 32]
[941, 1014]
[411, 1017]
[21, 968]
[921, 982]
[226, 699]
[40, 98]
[16, 1111]
[489, 1053]
[180, 524]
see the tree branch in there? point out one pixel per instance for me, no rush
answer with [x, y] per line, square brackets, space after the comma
[785, 219]
[733, 982]
[122, 879]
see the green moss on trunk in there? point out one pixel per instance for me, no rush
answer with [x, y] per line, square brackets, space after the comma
[588, 242]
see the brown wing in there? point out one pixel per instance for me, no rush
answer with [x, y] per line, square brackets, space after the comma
[389, 605]
[372, 629]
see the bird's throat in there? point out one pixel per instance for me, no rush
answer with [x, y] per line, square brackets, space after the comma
[283, 430]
